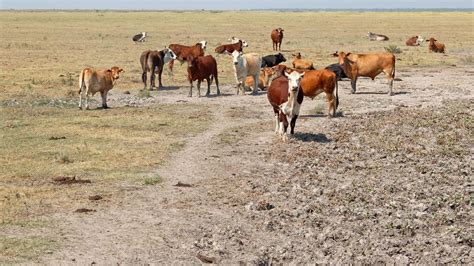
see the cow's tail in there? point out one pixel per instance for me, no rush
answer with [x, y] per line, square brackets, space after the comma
[337, 95]
[81, 81]
[393, 70]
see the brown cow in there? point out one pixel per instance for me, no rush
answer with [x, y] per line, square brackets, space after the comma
[367, 65]
[230, 48]
[277, 38]
[300, 63]
[414, 41]
[286, 97]
[182, 51]
[264, 79]
[153, 62]
[202, 68]
[435, 46]
[316, 81]
[91, 81]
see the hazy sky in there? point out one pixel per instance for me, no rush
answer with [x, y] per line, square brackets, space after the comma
[222, 4]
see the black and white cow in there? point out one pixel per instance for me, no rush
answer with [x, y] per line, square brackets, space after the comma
[273, 60]
[140, 37]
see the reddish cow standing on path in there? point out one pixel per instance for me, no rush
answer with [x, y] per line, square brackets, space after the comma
[277, 38]
[182, 51]
[286, 97]
[202, 68]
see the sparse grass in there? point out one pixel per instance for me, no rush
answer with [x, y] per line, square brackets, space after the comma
[144, 94]
[14, 249]
[394, 49]
[149, 181]
[468, 60]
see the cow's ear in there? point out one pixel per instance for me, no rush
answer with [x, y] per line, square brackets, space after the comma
[109, 70]
[286, 73]
[335, 54]
[348, 54]
[302, 74]
[121, 70]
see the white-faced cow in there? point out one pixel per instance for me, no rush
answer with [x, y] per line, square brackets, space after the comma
[140, 37]
[92, 81]
[153, 62]
[415, 41]
[246, 65]
[367, 65]
[286, 97]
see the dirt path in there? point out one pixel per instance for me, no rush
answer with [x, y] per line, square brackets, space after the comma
[169, 223]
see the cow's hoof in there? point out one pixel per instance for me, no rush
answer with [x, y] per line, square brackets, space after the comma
[353, 92]
[391, 94]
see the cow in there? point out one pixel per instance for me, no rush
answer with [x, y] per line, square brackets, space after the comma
[264, 80]
[338, 70]
[92, 81]
[301, 63]
[182, 51]
[279, 70]
[277, 38]
[246, 65]
[316, 81]
[202, 68]
[230, 48]
[286, 97]
[153, 62]
[376, 37]
[414, 41]
[435, 46]
[273, 60]
[233, 39]
[367, 65]
[140, 37]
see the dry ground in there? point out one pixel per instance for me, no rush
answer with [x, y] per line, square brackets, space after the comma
[388, 180]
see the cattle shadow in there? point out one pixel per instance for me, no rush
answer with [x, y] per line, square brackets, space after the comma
[381, 93]
[311, 137]
[322, 115]
[214, 95]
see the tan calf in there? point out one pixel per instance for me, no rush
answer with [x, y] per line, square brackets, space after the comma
[300, 63]
[92, 81]
[264, 79]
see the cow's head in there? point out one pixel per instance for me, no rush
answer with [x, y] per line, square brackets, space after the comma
[115, 71]
[280, 57]
[431, 40]
[244, 43]
[419, 40]
[370, 34]
[144, 33]
[346, 63]
[203, 44]
[294, 80]
[236, 57]
[297, 55]
[267, 73]
[169, 55]
[341, 56]
[279, 30]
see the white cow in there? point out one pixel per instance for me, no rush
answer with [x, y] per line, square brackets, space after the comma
[246, 65]
[235, 40]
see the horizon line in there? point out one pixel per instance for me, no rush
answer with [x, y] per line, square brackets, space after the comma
[250, 9]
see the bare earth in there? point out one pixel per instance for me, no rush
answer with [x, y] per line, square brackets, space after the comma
[389, 180]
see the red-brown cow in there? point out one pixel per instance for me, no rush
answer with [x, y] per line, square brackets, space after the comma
[182, 51]
[286, 97]
[414, 41]
[229, 48]
[277, 38]
[435, 46]
[316, 81]
[202, 68]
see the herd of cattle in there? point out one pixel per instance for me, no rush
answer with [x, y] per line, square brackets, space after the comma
[286, 86]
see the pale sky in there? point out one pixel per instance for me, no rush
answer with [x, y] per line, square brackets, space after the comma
[226, 5]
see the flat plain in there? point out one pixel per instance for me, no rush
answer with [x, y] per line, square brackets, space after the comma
[388, 180]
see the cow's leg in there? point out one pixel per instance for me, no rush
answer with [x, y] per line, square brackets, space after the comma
[331, 104]
[199, 87]
[208, 86]
[279, 46]
[152, 79]
[277, 120]
[144, 74]
[283, 126]
[103, 94]
[190, 89]
[170, 65]
[292, 124]
[87, 97]
[390, 81]
[256, 78]
[217, 84]
[353, 85]
[160, 71]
